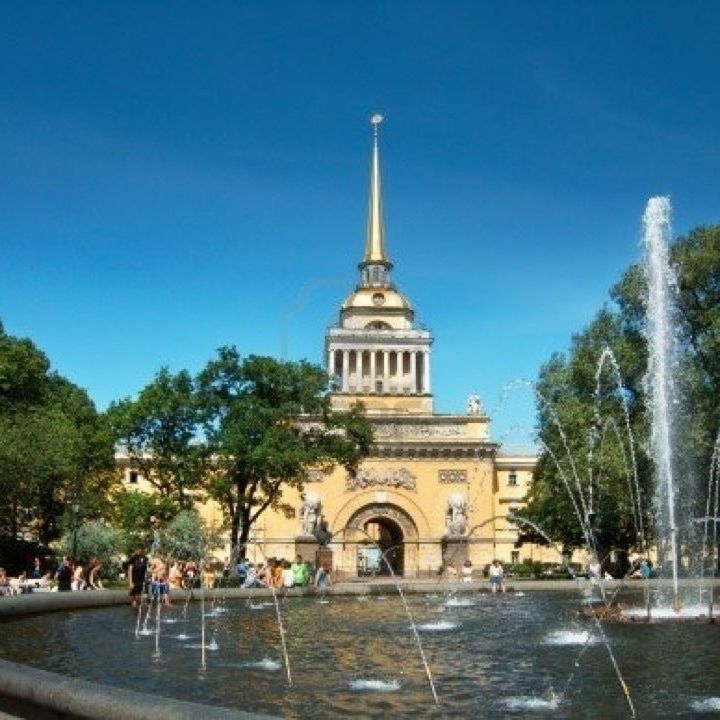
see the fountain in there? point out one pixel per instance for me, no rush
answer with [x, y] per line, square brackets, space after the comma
[661, 378]
[489, 655]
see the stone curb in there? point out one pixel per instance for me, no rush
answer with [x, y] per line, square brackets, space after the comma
[36, 694]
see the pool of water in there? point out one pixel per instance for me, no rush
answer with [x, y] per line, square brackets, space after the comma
[491, 656]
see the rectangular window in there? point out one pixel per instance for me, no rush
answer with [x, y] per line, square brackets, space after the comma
[512, 478]
[514, 556]
[133, 477]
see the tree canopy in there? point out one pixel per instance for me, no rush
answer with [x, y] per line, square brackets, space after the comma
[55, 448]
[241, 432]
[267, 423]
[591, 470]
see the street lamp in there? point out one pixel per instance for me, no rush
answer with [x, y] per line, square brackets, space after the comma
[76, 513]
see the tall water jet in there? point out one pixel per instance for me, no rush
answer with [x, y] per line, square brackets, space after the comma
[662, 362]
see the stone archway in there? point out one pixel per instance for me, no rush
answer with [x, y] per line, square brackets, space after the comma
[383, 528]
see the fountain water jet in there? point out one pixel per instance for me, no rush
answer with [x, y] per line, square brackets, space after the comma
[661, 370]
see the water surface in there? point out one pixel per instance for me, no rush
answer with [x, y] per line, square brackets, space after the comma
[492, 656]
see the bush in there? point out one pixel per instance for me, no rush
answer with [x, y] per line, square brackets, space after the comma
[96, 540]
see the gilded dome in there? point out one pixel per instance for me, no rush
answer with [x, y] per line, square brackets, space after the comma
[376, 299]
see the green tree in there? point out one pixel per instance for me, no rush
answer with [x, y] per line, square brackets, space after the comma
[159, 433]
[134, 513]
[187, 537]
[54, 447]
[585, 484]
[268, 422]
[95, 539]
[598, 452]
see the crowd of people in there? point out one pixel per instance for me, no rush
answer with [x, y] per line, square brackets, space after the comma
[153, 577]
[280, 573]
[157, 577]
[494, 571]
[69, 574]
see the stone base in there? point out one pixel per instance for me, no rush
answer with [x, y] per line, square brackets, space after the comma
[306, 547]
[454, 550]
[324, 557]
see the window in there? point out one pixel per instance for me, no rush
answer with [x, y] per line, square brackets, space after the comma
[514, 557]
[133, 477]
[512, 478]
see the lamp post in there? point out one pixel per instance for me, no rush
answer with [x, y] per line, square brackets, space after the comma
[76, 513]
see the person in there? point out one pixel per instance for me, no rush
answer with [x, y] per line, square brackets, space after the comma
[646, 569]
[242, 570]
[160, 586]
[256, 577]
[78, 581]
[594, 570]
[467, 571]
[176, 575]
[288, 577]
[93, 577]
[64, 574]
[496, 576]
[300, 572]
[36, 572]
[451, 572]
[323, 579]
[137, 570]
[277, 573]
[5, 587]
[209, 576]
[191, 570]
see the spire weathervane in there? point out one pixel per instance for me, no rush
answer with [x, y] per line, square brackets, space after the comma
[376, 119]
[375, 241]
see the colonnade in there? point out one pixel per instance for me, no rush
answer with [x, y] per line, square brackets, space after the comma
[381, 371]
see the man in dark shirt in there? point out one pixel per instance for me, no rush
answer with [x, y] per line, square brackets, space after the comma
[137, 570]
[64, 574]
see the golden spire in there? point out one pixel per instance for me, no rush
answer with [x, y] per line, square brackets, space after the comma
[375, 242]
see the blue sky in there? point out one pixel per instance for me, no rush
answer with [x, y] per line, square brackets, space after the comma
[180, 176]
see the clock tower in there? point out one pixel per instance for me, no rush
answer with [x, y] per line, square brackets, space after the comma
[375, 353]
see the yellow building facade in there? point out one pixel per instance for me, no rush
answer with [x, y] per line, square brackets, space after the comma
[436, 488]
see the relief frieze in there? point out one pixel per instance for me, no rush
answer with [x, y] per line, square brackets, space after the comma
[408, 431]
[452, 476]
[315, 476]
[395, 478]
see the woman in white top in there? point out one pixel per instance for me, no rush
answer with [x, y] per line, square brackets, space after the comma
[288, 577]
[78, 581]
[467, 571]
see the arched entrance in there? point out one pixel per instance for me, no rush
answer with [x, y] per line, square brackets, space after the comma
[382, 529]
[389, 541]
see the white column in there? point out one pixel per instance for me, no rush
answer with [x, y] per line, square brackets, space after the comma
[373, 353]
[346, 370]
[413, 372]
[426, 371]
[331, 363]
[386, 371]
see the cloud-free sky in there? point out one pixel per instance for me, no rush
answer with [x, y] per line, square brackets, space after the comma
[178, 176]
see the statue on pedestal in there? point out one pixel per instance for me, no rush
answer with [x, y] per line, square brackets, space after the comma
[309, 514]
[322, 533]
[456, 519]
[474, 404]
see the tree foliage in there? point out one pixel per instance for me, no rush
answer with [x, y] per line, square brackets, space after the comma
[98, 540]
[267, 423]
[241, 433]
[55, 448]
[586, 474]
[159, 433]
[188, 537]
